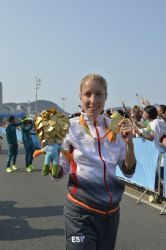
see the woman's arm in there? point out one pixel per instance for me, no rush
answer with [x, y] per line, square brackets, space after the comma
[130, 160]
[126, 131]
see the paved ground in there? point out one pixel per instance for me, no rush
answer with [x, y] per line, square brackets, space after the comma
[31, 208]
[31, 214]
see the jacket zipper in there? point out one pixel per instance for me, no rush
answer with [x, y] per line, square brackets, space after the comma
[104, 163]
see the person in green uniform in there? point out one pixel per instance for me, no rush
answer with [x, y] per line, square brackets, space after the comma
[11, 138]
[28, 143]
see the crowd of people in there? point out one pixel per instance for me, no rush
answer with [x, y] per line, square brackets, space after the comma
[149, 123]
[94, 192]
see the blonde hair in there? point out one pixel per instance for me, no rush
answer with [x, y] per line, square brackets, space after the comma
[94, 76]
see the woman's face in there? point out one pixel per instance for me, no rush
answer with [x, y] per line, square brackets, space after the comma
[145, 115]
[164, 142]
[93, 96]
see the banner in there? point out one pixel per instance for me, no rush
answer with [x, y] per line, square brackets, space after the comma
[147, 156]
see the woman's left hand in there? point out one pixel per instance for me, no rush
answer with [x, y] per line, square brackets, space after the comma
[126, 130]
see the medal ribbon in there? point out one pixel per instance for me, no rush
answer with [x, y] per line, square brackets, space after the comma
[111, 136]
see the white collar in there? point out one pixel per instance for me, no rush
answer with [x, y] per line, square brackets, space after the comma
[89, 119]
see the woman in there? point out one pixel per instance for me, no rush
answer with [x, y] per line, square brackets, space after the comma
[92, 205]
[155, 127]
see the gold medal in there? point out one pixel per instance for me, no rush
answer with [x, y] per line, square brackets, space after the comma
[114, 124]
[51, 122]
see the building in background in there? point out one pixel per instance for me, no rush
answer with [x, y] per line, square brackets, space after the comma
[1, 106]
[25, 109]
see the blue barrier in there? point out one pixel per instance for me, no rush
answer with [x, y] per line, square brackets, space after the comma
[35, 138]
[165, 175]
[19, 135]
[36, 141]
[2, 131]
[147, 157]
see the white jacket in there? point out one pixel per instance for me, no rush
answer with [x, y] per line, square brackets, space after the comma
[92, 179]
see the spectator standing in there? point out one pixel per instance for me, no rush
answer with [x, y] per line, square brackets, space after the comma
[11, 138]
[1, 137]
[162, 112]
[155, 129]
[27, 125]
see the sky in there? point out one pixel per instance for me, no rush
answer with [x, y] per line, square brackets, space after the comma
[61, 41]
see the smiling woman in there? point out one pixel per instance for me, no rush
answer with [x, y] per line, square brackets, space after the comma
[92, 205]
[93, 94]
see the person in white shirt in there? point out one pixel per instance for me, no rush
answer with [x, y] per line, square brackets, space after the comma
[155, 131]
[155, 128]
[162, 111]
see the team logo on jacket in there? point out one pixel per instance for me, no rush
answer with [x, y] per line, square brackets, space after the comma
[81, 135]
[78, 239]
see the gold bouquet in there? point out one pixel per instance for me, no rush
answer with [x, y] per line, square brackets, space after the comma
[52, 126]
